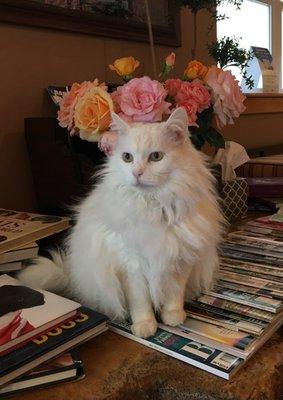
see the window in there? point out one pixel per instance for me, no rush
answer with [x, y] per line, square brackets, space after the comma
[257, 23]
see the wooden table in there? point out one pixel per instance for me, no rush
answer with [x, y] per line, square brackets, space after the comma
[117, 368]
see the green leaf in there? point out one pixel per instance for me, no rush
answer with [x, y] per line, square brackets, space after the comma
[214, 138]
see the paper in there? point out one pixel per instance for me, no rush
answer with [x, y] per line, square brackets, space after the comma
[230, 158]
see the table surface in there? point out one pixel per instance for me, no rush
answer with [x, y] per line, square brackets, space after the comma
[119, 368]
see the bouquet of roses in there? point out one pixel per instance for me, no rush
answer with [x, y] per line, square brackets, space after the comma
[210, 95]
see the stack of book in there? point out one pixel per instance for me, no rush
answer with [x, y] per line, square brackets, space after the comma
[18, 233]
[37, 326]
[227, 325]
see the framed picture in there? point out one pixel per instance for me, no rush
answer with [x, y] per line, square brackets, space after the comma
[119, 19]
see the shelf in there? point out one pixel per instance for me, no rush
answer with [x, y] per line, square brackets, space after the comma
[263, 103]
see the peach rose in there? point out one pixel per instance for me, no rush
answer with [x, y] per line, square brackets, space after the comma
[125, 66]
[173, 86]
[227, 97]
[93, 113]
[195, 69]
[69, 101]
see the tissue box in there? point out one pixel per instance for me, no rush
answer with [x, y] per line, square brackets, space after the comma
[234, 195]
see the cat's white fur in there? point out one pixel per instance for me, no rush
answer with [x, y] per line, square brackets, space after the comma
[146, 233]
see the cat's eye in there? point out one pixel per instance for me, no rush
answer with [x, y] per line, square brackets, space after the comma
[127, 157]
[156, 156]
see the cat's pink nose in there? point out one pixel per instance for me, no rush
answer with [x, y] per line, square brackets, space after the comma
[137, 173]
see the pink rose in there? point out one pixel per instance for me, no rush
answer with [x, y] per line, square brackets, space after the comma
[141, 100]
[69, 102]
[173, 86]
[191, 106]
[226, 94]
[194, 91]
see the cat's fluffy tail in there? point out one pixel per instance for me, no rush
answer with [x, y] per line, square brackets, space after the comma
[47, 274]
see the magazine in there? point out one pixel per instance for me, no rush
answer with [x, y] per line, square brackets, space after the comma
[255, 227]
[254, 236]
[261, 302]
[233, 245]
[244, 319]
[267, 221]
[235, 307]
[249, 289]
[18, 228]
[271, 278]
[250, 281]
[253, 242]
[232, 342]
[248, 266]
[212, 317]
[257, 258]
[189, 351]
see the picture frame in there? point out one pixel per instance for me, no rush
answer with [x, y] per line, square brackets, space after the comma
[39, 14]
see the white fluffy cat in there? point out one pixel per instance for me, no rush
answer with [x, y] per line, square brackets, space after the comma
[145, 234]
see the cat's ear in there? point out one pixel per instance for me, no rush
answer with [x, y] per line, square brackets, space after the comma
[176, 127]
[117, 124]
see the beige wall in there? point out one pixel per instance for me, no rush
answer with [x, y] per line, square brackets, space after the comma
[31, 59]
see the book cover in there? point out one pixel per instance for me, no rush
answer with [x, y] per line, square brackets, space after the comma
[267, 222]
[51, 344]
[271, 246]
[258, 239]
[261, 302]
[18, 228]
[24, 252]
[189, 351]
[260, 229]
[25, 312]
[67, 367]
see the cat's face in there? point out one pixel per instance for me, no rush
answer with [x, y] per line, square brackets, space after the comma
[148, 155]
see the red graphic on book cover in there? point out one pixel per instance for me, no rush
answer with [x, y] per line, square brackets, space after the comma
[12, 326]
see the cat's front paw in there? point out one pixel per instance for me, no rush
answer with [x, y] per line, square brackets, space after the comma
[173, 317]
[144, 329]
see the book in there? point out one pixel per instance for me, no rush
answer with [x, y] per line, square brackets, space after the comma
[24, 252]
[25, 312]
[189, 351]
[260, 229]
[18, 228]
[10, 267]
[223, 318]
[65, 368]
[60, 339]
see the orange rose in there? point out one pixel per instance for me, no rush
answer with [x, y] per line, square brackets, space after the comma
[93, 113]
[195, 69]
[125, 66]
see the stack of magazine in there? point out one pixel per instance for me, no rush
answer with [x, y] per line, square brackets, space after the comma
[227, 325]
